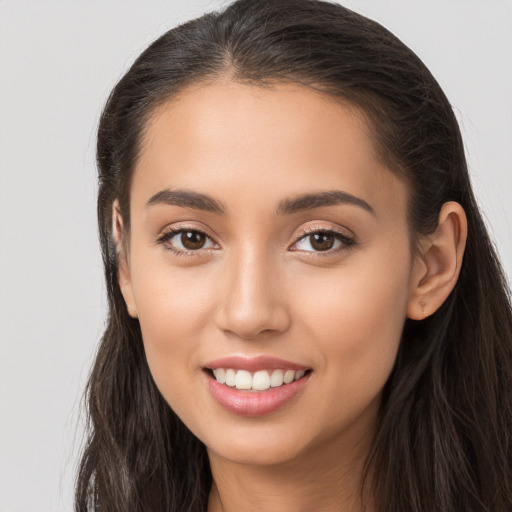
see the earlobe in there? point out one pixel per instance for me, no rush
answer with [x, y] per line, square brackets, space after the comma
[437, 268]
[123, 266]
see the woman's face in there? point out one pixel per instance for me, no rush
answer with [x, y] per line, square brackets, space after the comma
[267, 241]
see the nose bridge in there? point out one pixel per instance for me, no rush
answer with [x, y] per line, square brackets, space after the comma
[253, 301]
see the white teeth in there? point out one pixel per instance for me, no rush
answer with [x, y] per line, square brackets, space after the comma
[289, 376]
[220, 375]
[243, 380]
[230, 377]
[277, 378]
[259, 381]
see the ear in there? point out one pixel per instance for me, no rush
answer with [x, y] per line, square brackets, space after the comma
[437, 268]
[123, 270]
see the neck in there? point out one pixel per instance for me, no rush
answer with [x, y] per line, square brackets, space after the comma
[327, 478]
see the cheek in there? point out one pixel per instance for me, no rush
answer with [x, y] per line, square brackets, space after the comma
[174, 306]
[356, 318]
[172, 302]
[367, 309]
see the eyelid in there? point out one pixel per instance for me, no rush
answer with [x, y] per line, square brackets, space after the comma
[315, 228]
[171, 231]
[347, 239]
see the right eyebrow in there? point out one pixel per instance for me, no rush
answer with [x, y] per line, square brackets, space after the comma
[186, 199]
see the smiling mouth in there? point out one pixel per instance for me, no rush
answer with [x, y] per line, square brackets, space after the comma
[258, 381]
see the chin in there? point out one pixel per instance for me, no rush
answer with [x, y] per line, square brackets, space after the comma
[257, 454]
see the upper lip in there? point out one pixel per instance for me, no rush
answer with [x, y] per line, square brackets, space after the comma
[254, 364]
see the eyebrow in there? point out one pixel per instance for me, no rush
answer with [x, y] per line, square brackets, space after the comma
[187, 199]
[319, 199]
[198, 201]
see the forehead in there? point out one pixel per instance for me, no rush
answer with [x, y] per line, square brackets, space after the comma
[232, 138]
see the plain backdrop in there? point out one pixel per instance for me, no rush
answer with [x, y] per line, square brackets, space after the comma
[58, 62]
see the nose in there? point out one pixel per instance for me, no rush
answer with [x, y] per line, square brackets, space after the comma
[253, 301]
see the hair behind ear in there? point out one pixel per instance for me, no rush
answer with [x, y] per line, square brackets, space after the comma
[447, 407]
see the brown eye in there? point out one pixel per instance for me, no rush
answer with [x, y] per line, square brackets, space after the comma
[322, 241]
[186, 241]
[193, 240]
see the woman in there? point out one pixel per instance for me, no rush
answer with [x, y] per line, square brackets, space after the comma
[306, 312]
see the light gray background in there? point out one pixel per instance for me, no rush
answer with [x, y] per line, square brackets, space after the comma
[58, 61]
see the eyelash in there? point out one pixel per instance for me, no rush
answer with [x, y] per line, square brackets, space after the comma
[168, 235]
[347, 242]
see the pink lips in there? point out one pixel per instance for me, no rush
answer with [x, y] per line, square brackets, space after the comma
[250, 403]
[254, 364]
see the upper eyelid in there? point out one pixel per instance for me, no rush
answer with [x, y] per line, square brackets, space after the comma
[171, 231]
[309, 230]
[319, 229]
[302, 232]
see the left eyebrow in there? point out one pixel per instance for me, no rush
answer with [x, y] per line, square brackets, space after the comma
[319, 199]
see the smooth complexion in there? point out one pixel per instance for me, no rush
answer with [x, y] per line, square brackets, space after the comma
[226, 164]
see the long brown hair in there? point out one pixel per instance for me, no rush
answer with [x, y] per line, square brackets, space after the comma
[444, 438]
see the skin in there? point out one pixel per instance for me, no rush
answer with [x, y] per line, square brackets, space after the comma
[253, 289]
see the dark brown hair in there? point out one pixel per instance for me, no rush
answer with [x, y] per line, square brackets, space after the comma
[444, 437]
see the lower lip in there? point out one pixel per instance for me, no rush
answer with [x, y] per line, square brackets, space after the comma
[258, 403]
